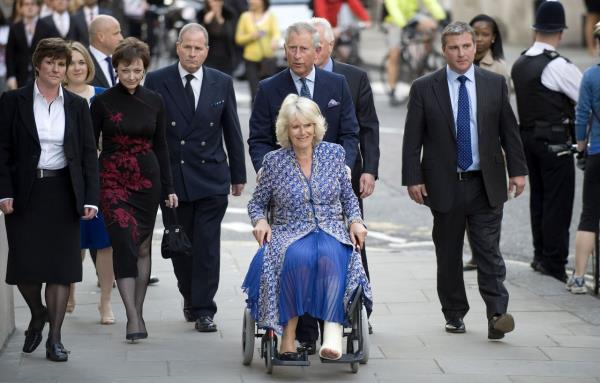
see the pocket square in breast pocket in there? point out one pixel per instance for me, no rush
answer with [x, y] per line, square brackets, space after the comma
[218, 103]
[332, 103]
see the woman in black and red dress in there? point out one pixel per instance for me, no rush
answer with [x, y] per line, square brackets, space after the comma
[134, 174]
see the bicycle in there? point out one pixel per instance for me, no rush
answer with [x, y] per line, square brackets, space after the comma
[418, 56]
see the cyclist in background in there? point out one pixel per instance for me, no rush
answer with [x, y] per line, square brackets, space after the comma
[329, 10]
[397, 15]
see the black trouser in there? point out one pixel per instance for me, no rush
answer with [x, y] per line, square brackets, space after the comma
[252, 76]
[590, 212]
[307, 329]
[198, 274]
[470, 211]
[552, 189]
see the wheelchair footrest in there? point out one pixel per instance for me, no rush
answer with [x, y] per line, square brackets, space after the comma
[278, 362]
[346, 358]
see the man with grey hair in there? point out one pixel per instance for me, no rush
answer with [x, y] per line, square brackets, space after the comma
[201, 115]
[329, 90]
[460, 138]
[105, 35]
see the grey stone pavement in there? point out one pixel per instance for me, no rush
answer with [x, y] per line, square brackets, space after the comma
[556, 340]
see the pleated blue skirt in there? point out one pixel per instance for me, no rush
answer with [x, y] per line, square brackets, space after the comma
[313, 279]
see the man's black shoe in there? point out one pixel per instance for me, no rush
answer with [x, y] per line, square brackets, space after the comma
[470, 265]
[535, 265]
[370, 328]
[309, 347]
[205, 324]
[189, 315]
[500, 325]
[561, 276]
[455, 326]
[153, 280]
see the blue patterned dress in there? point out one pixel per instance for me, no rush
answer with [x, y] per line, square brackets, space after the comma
[308, 214]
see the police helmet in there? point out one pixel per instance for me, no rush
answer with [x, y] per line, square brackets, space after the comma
[550, 17]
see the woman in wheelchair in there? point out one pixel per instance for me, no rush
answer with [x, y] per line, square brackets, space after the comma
[308, 260]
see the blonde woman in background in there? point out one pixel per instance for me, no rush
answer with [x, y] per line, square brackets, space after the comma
[93, 233]
[258, 32]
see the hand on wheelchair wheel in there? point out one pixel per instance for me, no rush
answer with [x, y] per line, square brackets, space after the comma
[262, 232]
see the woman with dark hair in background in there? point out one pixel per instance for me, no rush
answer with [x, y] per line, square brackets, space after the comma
[219, 21]
[135, 174]
[489, 53]
[48, 180]
[258, 32]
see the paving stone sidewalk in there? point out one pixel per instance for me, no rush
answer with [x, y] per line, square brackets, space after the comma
[557, 335]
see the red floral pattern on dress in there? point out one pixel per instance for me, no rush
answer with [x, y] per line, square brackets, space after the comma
[120, 175]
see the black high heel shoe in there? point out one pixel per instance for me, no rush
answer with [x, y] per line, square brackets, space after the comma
[132, 337]
[33, 336]
[56, 352]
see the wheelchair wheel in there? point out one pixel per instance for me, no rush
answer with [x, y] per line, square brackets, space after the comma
[269, 348]
[364, 335]
[248, 328]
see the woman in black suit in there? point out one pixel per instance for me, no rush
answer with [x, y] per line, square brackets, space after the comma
[48, 180]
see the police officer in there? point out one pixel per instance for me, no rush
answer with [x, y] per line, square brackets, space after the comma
[547, 88]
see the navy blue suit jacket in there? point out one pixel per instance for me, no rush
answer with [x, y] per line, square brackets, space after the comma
[195, 139]
[331, 93]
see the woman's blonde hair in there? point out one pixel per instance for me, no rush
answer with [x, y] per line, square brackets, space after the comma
[299, 108]
[91, 70]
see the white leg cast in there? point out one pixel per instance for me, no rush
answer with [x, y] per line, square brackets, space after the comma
[332, 341]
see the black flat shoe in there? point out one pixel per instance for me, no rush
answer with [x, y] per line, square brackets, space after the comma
[56, 352]
[500, 325]
[153, 280]
[455, 326]
[205, 324]
[470, 265]
[309, 347]
[290, 356]
[33, 336]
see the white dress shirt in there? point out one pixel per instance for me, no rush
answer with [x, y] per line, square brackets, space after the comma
[559, 75]
[196, 82]
[453, 87]
[50, 123]
[62, 22]
[101, 58]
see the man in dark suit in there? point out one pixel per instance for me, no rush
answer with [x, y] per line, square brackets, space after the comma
[201, 114]
[63, 24]
[460, 138]
[329, 90]
[366, 166]
[23, 37]
[85, 15]
[105, 35]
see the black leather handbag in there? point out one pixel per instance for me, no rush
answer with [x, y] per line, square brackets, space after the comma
[175, 243]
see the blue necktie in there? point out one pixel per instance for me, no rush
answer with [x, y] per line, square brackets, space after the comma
[111, 70]
[304, 91]
[463, 127]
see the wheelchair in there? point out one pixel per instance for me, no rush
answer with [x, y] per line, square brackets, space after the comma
[356, 334]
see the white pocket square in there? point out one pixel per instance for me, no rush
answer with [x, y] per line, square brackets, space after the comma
[332, 103]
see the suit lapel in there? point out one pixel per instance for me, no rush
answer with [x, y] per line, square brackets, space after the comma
[69, 123]
[175, 88]
[480, 85]
[100, 77]
[206, 98]
[26, 111]
[442, 94]
[321, 93]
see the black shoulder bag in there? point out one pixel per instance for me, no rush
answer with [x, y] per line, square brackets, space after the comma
[175, 243]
